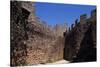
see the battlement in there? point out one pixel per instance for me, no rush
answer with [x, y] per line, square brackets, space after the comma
[83, 18]
[72, 26]
[28, 6]
[93, 14]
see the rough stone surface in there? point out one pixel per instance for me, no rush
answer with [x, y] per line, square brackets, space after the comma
[32, 41]
[35, 42]
[80, 41]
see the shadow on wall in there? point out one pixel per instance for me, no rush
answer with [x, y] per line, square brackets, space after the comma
[87, 51]
[80, 41]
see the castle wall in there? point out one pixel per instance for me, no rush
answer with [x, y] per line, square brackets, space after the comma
[32, 42]
[18, 34]
[81, 36]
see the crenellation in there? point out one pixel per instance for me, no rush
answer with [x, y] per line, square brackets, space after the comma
[76, 22]
[34, 42]
[83, 37]
[72, 26]
[83, 18]
[28, 6]
[93, 15]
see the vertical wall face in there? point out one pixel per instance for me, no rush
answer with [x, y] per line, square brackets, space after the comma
[82, 39]
[94, 25]
[32, 42]
[59, 29]
[83, 18]
[93, 15]
[19, 15]
[87, 47]
[29, 6]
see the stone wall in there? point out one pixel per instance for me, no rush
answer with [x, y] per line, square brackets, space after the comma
[18, 33]
[80, 41]
[32, 42]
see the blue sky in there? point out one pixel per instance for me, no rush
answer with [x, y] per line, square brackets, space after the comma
[53, 13]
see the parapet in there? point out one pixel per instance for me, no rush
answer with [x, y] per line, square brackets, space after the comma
[72, 26]
[28, 6]
[93, 14]
[76, 22]
[83, 18]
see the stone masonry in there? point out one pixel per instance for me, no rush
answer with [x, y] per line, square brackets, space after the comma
[32, 41]
[80, 41]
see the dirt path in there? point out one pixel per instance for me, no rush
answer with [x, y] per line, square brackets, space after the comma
[60, 62]
[57, 62]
